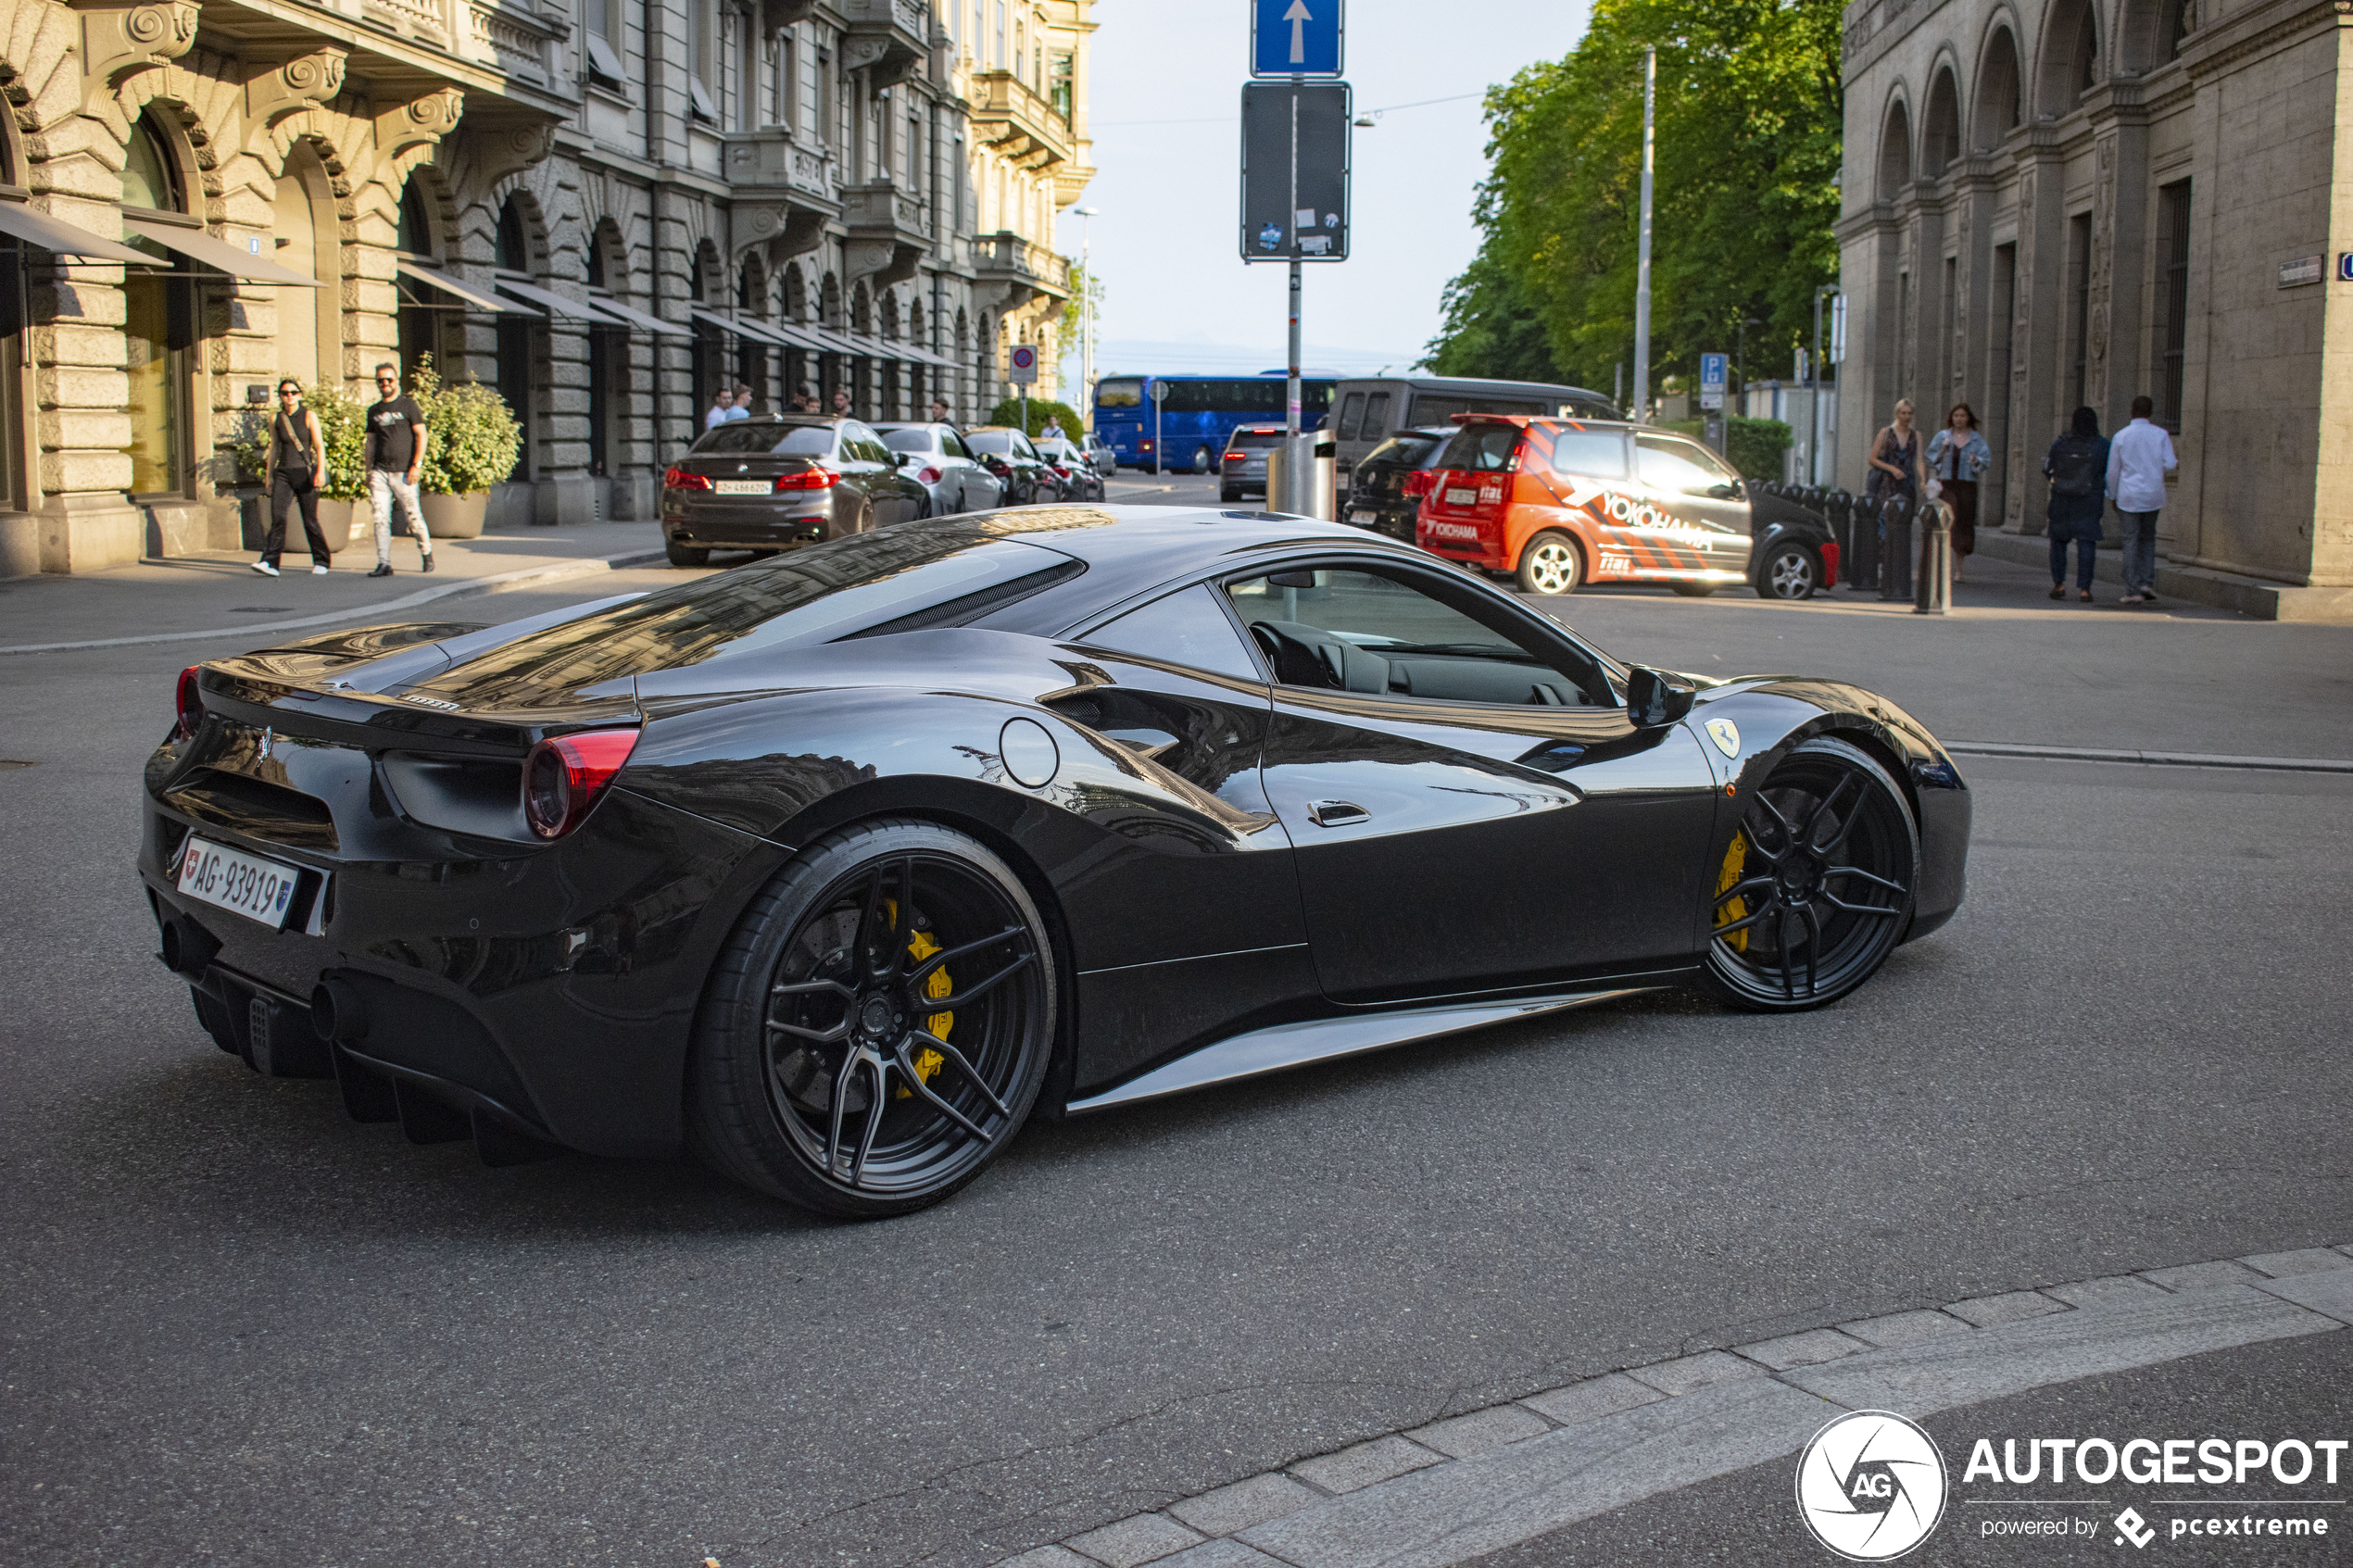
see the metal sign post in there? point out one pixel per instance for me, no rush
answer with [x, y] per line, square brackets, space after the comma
[1295, 165]
[1022, 371]
[1160, 395]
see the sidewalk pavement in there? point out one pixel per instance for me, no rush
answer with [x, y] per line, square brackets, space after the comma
[219, 594]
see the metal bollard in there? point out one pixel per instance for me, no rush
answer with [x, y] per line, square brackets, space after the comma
[1933, 593]
[1861, 568]
[1896, 549]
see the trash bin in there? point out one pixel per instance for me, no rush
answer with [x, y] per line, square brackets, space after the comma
[1301, 476]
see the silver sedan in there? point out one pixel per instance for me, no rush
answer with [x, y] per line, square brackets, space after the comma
[935, 457]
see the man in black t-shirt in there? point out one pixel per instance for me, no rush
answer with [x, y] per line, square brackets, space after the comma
[396, 456]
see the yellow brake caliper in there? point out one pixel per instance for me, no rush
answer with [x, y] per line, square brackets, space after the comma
[920, 947]
[1735, 861]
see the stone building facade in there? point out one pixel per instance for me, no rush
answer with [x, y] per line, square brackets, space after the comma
[2055, 203]
[604, 207]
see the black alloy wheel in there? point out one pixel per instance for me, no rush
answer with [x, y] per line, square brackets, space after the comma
[1790, 573]
[1816, 886]
[877, 1028]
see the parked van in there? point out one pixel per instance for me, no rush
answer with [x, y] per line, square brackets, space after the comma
[1368, 410]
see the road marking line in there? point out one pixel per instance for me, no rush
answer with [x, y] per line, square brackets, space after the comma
[1610, 1455]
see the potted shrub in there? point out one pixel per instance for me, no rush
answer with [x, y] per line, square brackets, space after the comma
[343, 489]
[472, 443]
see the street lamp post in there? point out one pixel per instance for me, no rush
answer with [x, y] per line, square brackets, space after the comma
[1642, 250]
[1085, 318]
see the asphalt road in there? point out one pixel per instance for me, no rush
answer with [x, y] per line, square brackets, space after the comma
[238, 1329]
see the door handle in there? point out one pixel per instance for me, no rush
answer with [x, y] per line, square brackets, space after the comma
[1335, 814]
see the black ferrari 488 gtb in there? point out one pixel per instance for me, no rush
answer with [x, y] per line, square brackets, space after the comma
[836, 868]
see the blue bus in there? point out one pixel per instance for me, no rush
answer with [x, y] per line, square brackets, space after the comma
[1187, 429]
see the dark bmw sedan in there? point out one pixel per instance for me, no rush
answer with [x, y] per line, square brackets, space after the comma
[1008, 453]
[780, 481]
[1376, 497]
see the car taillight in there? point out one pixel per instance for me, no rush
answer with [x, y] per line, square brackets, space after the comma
[679, 479]
[1417, 483]
[1144, 445]
[808, 479]
[564, 774]
[187, 703]
[1233, 456]
[927, 476]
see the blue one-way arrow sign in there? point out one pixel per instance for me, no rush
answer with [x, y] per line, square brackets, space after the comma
[1295, 37]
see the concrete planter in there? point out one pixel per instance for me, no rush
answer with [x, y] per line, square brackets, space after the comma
[339, 524]
[455, 516]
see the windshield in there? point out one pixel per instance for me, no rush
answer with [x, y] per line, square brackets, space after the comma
[996, 443]
[1483, 447]
[1406, 451]
[1254, 440]
[754, 435]
[919, 440]
[1119, 391]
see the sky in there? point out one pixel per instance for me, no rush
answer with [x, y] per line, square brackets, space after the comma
[1165, 100]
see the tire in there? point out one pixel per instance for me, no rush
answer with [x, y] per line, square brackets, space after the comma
[680, 555]
[1229, 497]
[1694, 590]
[1204, 461]
[765, 1064]
[923, 507]
[1552, 563]
[1789, 572]
[1784, 944]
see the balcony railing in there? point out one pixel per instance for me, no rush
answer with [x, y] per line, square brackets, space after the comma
[1016, 121]
[889, 39]
[1008, 257]
[773, 158]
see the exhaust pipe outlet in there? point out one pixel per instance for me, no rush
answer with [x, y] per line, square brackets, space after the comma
[188, 947]
[337, 1014]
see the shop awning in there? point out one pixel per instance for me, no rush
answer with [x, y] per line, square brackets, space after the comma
[630, 315]
[549, 300]
[197, 245]
[759, 332]
[830, 340]
[926, 356]
[800, 336]
[481, 299]
[64, 238]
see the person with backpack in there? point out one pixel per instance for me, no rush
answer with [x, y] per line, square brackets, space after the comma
[293, 462]
[2077, 468]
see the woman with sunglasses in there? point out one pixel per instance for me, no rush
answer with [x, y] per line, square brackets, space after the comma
[296, 460]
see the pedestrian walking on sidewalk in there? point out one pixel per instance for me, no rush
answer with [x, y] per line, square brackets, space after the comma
[1898, 473]
[1956, 455]
[2076, 466]
[296, 461]
[396, 456]
[2138, 461]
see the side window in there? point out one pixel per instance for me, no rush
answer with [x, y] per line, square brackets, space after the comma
[1376, 416]
[1187, 629]
[1354, 631]
[1664, 463]
[1351, 409]
[954, 445]
[1595, 454]
[1022, 448]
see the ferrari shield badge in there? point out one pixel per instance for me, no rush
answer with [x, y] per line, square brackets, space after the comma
[1726, 734]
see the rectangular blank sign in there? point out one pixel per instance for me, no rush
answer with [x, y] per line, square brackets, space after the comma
[1295, 146]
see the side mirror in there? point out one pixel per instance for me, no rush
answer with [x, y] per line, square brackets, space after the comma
[1653, 700]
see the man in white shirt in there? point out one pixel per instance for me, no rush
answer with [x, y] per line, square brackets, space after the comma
[2138, 459]
[721, 407]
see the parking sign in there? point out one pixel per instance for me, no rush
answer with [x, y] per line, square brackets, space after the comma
[1023, 366]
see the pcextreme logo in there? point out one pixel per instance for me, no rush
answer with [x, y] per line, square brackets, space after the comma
[1871, 1485]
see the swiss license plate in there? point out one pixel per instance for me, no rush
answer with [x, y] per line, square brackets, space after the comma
[1362, 520]
[242, 884]
[741, 486]
[1460, 497]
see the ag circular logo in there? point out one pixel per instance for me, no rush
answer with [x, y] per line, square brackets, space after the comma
[1871, 1485]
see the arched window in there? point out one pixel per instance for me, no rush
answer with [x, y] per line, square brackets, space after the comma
[518, 336]
[309, 241]
[513, 250]
[1941, 135]
[2070, 58]
[1995, 114]
[158, 326]
[1894, 152]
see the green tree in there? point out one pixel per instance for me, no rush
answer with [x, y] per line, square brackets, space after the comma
[1493, 327]
[1748, 145]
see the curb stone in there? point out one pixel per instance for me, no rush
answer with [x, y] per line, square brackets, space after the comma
[1467, 1480]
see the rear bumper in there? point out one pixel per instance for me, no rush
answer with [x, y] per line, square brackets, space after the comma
[552, 987]
[755, 525]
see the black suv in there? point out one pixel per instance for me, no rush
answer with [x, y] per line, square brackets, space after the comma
[781, 480]
[1376, 497]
